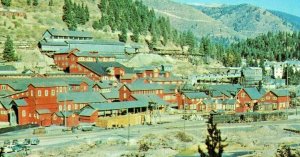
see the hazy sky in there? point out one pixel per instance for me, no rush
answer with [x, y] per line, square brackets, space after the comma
[288, 6]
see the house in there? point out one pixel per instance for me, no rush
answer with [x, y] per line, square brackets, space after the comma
[155, 102]
[277, 99]
[139, 87]
[55, 39]
[128, 78]
[7, 69]
[74, 101]
[99, 71]
[247, 99]
[170, 92]
[251, 76]
[112, 95]
[229, 105]
[191, 100]
[67, 118]
[7, 115]
[88, 115]
[278, 71]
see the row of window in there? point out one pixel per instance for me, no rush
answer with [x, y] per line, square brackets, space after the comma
[3, 87]
[69, 107]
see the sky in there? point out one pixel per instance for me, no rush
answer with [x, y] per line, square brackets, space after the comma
[288, 6]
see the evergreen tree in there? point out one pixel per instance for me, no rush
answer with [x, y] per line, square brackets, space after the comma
[6, 3]
[51, 3]
[213, 141]
[29, 2]
[35, 2]
[9, 51]
[123, 35]
[136, 35]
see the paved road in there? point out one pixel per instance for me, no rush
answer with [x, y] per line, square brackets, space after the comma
[56, 138]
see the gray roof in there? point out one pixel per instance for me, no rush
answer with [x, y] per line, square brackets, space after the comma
[87, 112]
[20, 84]
[118, 105]
[92, 54]
[64, 114]
[229, 101]
[195, 95]
[43, 111]
[139, 85]
[67, 33]
[6, 102]
[82, 97]
[7, 68]
[151, 98]
[253, 93]
[101, 68]
[113, 94]
[281, 92]
[20, 102]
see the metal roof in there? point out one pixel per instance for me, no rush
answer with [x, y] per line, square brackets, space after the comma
[139, 85]
[81, 97]
[87, 112]
[281, 92]
[195, 95]
[253, 93]
[150, 98]
[101, 68]
[43, 111]
[7, 68]
[20, 102]
[67, 33]
[118, 105]
[6, 102]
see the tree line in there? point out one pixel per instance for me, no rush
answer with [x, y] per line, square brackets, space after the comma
[75, 14]
[134, 16]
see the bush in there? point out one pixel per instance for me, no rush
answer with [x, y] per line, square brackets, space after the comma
[183, 137]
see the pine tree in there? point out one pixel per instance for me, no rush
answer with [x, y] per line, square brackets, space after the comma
[136, 35]
[35, 2]
[123, 35]
[29, 2]
[6, 3]
[9, 51]
[51, 3]
[213, 141]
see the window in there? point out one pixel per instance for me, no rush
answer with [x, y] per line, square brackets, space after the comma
[60, 89]
[24, 113]
[3, 87]
[54, 117]
[274, 98]
[69, 107]
[243, 95]
[39, 93]
[76, 107]
[268, 98]
[46, 92]
[125, 95]
[60, 108]
[31, 92]
[53, 92]
[81, 106]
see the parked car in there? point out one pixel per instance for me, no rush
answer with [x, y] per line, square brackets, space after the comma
[17, 147]
[31, 141]
[6, 143]
[15, 141]
[87, 128]
[7, 149]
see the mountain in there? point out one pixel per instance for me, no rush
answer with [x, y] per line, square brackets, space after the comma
[247, 19]
[222, 21]
[294, 20]
[185, 17]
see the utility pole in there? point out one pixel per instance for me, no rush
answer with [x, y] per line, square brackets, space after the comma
[128, 128]
[65, 106]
